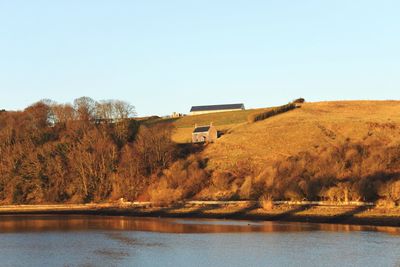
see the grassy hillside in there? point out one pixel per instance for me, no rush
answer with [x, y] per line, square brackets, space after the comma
[329, 151]
[335, 151]
[306, 129]
[224, 121]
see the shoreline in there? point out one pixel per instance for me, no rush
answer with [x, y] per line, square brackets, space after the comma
[241, 210]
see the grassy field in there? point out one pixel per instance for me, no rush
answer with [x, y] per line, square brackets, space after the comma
[303, 129]
[306, 129]
[224, 121]
[218, 119]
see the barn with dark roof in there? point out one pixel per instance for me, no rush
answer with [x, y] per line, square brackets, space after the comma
[197, 110]
[204, 134]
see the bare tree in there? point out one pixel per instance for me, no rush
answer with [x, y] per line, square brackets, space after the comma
[154, 147]
[114, 110]
[123, 110]
[63, 113]
[85, 108]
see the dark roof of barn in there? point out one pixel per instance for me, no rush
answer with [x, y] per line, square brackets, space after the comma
[216, 107]
[202, 129]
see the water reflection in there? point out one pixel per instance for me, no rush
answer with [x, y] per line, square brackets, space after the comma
[126, 241]
[41, 223]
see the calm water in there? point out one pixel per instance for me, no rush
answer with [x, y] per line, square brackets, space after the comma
[124, 241]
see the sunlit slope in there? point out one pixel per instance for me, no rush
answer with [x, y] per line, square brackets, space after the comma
[305, 129]
[224, 121]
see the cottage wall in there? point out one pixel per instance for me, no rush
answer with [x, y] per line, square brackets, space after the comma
[200, 137]
[210, 136]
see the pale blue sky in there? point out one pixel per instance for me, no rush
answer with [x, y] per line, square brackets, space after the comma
[165, 56]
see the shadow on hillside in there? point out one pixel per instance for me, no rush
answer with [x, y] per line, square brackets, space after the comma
[201, 210]
[155, 120]
[287, 214]
[165, 211]
[244, 211]
[221, 133]
[238, 214]
[197, 211]
[185, 150]
[349, 214]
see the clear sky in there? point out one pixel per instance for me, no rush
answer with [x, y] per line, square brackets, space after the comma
[164, 56]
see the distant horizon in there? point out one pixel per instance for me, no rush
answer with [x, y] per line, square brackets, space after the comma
[138, 114]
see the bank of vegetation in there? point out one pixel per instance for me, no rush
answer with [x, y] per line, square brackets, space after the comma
[86, 152]
[98, 152]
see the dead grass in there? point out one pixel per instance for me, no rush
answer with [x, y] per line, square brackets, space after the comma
[223, 121]
[218, 119]
[306, 129]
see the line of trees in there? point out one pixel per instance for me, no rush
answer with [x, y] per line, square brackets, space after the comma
[81, 152]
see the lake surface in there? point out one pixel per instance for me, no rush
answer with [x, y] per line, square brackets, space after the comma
[126, 241]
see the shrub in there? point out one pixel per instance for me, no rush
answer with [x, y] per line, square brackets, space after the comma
[183, 180]
[390, 191]
[385, 203]
[164, 195]
[246, 188]
[299, 101]
[266, 202]
[221, 180]
[270, 113]
[293, 194]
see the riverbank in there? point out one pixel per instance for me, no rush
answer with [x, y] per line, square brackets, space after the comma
[241, 210]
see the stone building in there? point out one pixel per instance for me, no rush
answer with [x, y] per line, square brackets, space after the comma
[204, 134]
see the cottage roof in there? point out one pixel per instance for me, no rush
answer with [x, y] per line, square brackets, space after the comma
[201, 129]
[217, 107]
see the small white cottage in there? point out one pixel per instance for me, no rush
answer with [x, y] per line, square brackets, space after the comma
[204, 134]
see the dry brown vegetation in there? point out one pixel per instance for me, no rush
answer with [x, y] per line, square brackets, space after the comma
[266, 202]
[92, 152]
[334, 151]
[89, 151]
[183, 180]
